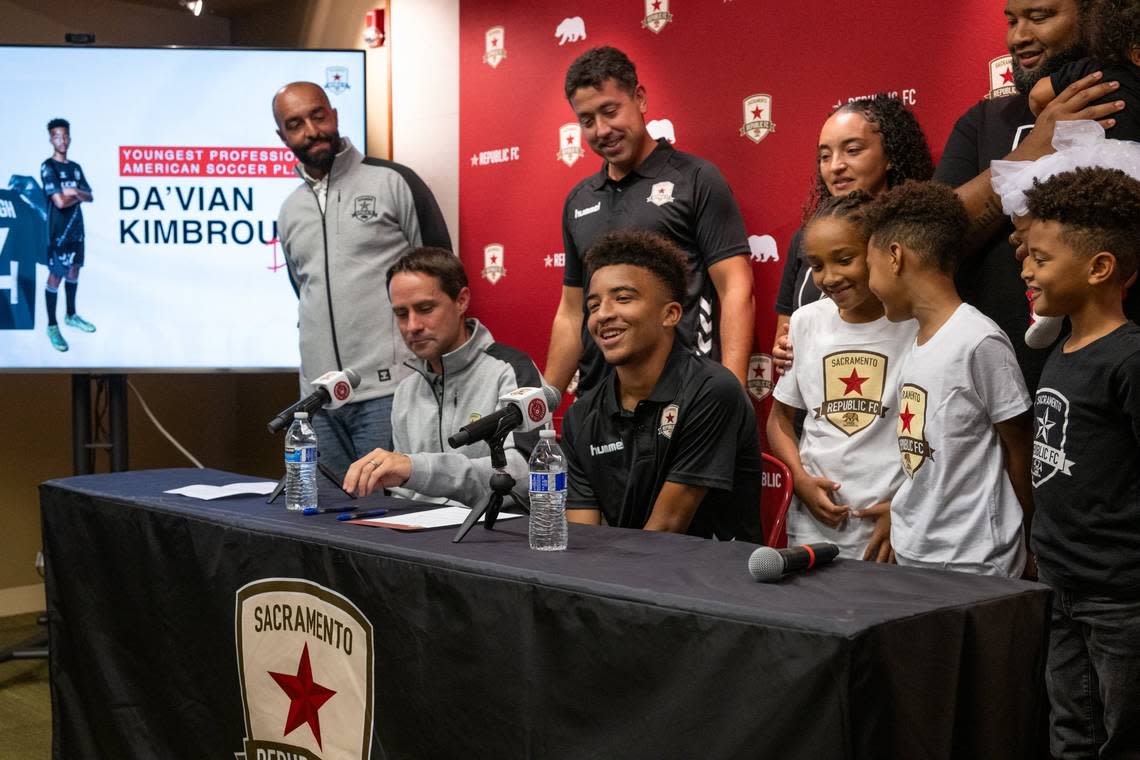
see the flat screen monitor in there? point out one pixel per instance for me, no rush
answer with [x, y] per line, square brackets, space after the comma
[181, 268]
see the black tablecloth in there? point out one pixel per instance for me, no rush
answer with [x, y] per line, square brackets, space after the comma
[630, 644]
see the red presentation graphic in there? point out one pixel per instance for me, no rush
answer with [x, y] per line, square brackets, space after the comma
[206, 161]
[743, 84]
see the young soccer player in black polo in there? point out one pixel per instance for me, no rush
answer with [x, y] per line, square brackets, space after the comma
[646, 184]
[668, 440]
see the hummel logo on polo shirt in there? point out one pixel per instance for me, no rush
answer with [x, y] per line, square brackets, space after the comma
[581, 212]
[606, 448]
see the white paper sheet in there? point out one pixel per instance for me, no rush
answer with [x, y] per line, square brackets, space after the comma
[218, 492]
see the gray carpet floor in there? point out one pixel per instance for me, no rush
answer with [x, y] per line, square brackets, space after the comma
[25, 700]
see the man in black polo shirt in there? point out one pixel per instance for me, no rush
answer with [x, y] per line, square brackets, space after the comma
[1042, 36]
[646, 184]
[668, 440]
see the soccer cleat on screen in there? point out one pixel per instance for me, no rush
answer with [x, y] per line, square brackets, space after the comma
[78, 322]
[57, 341]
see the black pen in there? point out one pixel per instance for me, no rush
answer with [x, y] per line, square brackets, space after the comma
[364, 515]
[325, 510]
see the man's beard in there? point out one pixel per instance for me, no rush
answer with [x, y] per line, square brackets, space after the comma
[1024, 80]
[323, 162]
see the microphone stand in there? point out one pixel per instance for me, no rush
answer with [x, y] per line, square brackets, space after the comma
[329, 474]
[502, 484]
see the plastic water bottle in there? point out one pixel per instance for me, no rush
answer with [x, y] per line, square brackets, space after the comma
[547, 495]
[300, 464]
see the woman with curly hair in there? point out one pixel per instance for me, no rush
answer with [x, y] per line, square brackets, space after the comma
[868, 145]
[1114, 44]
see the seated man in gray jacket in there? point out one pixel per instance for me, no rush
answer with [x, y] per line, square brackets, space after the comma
[459, 374]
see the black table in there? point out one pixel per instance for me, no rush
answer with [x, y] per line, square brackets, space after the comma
[169, 615]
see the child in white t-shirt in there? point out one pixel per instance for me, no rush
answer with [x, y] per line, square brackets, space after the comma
[963, 424]
[845, 466]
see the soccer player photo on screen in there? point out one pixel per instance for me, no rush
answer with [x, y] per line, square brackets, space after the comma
[66, 188]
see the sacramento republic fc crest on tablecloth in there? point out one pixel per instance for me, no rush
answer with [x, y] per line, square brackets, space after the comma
[305, 658]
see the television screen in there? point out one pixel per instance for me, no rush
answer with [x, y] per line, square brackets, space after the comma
[171, 183]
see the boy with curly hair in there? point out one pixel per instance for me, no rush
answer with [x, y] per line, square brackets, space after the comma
[963, 424]
[1083, 246]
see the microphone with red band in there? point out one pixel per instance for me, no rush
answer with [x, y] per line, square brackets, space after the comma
[333, 389]
[525, 409]
[768, 564]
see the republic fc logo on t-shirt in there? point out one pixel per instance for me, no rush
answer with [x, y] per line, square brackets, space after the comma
[853, 390]
[913, 446]
[1050, 430]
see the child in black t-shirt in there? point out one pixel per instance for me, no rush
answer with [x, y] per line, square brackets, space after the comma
[1114, 42]
[1084, 242]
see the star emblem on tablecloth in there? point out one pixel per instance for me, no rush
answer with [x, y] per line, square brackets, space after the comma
[906, 415]
[306, 697]
[853, 383]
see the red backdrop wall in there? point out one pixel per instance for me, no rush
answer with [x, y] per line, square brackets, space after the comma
[807, 55]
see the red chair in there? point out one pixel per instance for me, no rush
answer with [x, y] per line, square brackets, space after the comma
[775, 496]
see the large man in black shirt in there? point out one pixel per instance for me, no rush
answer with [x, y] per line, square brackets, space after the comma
[668, 440]
[65, 187]
[1043, 35]
[646, 184]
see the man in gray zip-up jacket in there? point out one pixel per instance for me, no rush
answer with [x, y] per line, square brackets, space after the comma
[340, 231]
[458, 375]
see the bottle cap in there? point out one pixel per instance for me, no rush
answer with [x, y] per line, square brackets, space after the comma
[300, 415]
[547, 433]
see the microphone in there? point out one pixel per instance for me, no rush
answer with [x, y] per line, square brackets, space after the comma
[768, 564]
[526, 408]
[333, 389]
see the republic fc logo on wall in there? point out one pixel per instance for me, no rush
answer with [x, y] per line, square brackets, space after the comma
[657, 15]
[570, 143]
[305, 658]
[493, 269]
[758, 122]
[1001, 77]
[496, 49]
[760, 376]
[853, 390]
[913, 446]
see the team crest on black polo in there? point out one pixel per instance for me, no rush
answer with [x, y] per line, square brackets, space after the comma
[1050, 428]
[305, 662]
[668, 420]
[913, 446]
[853, 384]
[364, 207]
